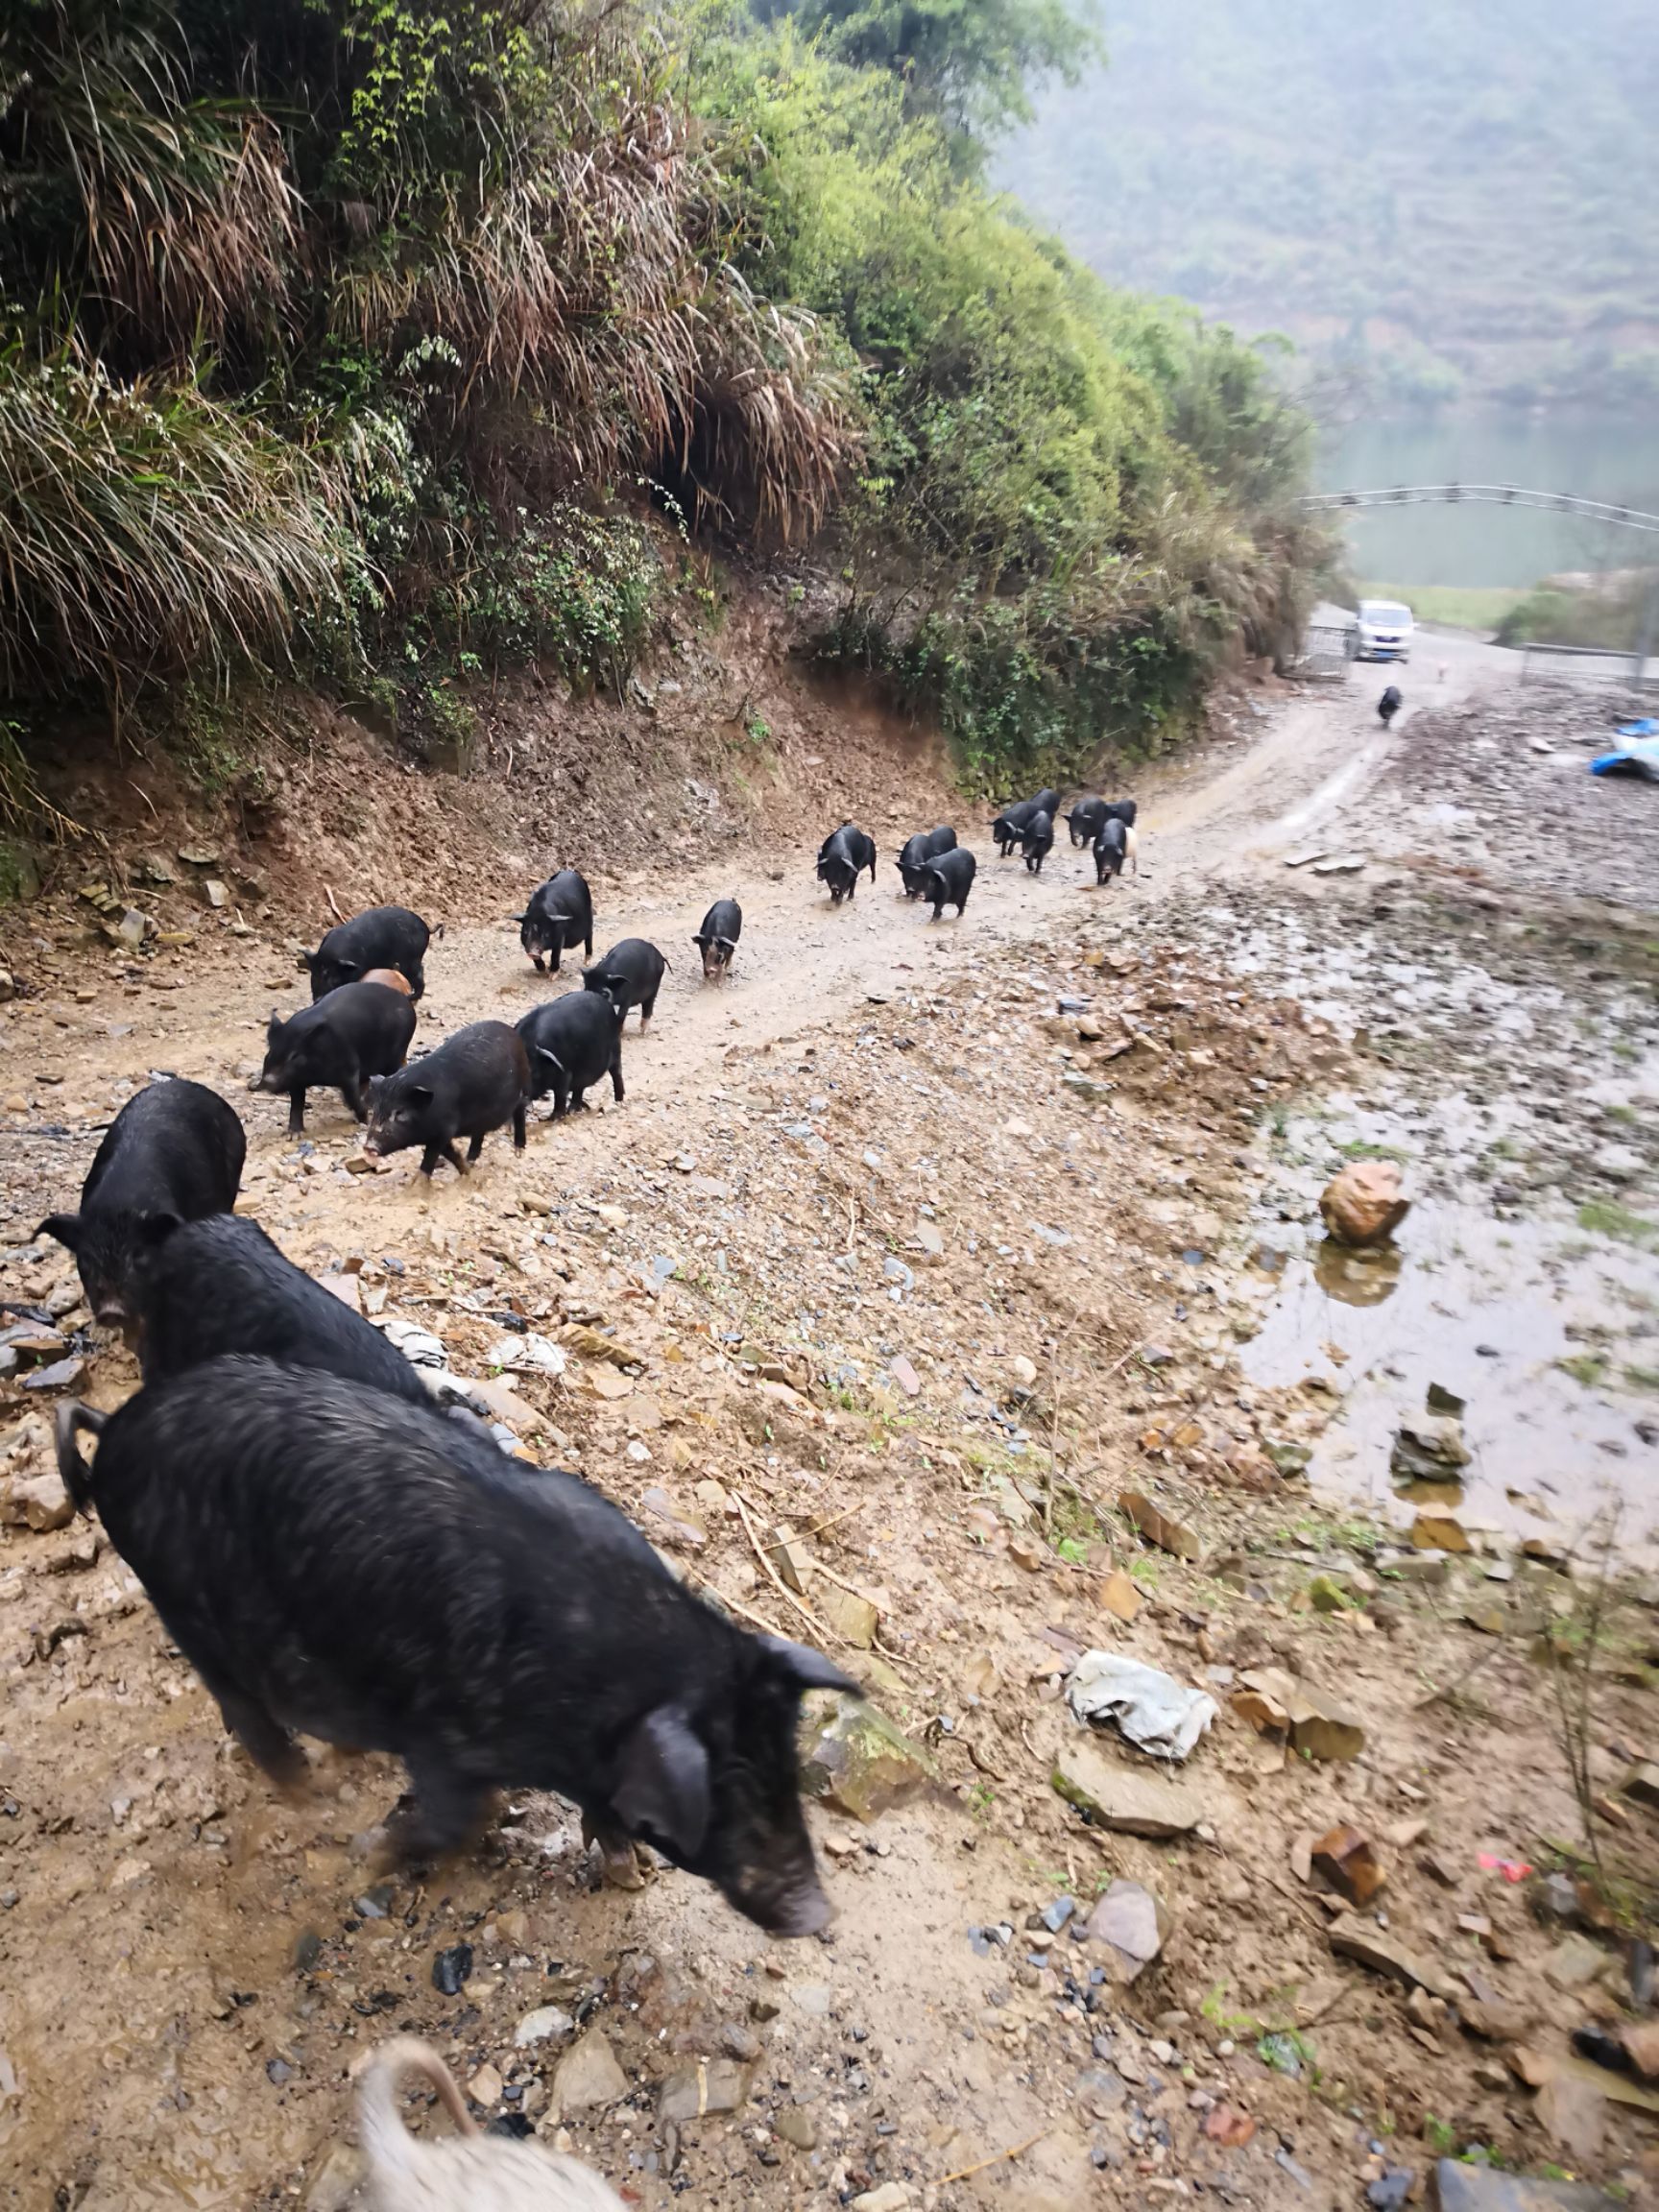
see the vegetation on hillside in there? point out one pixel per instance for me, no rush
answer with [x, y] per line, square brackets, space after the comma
[1615, 612]
[1441, 199]
[365, 336]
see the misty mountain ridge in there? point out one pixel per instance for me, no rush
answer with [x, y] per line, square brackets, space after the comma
[1459, 197]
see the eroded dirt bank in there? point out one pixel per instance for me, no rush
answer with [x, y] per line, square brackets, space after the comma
[931, 1243]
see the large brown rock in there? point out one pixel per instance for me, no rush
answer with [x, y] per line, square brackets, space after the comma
[1362, 1205]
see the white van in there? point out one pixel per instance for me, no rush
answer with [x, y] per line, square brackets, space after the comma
[1385, 630]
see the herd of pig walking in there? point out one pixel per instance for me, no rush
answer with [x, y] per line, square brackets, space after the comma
[339, 1556]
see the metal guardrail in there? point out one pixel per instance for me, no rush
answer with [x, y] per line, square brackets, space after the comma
[1484, 494]
[1582, 664]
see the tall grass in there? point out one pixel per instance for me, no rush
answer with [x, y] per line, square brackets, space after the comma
[144, 528]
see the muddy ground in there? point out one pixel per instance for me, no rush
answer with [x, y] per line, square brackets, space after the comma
[932, 1243]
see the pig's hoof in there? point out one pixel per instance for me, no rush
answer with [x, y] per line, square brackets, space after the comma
[619, 1864]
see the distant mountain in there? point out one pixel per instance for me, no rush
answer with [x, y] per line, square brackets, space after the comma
[1459, 196]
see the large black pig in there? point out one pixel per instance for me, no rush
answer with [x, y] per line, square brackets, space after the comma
[518, 1633]
[173, 1153]
[948, 879]
[1085, 819]
[571, 1043]
[842, 857]
[205, 1288]
[356, 1031]
[381, 937]
[918, 850]
[477, 1080]
[630, 974]
[558, 916]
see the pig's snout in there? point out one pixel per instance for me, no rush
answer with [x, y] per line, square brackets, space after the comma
[802, 1913]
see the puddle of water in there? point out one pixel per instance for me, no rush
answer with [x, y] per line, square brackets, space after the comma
[1490, 1310]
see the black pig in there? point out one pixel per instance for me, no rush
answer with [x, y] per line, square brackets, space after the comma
[1389, 705]
[173, 1153]
[478, 1080]
[352, 1033]
[717, 939]
[1085, 819]
[924, 846]
[205, 1288]
[382, 937]
[948, 879]
[630, 974]
[1111, 849]
[518, 1633]
[570, 1042]
[1009, 826]
[559, 915]
[1037, 840]
[1122, 811]
[842, 857]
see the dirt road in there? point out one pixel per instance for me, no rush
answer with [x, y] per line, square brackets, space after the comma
[905, 1258]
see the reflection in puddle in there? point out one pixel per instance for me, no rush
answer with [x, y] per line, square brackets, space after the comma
[1356, 1278]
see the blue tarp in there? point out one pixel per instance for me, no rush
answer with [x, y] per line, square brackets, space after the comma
[1637, 753]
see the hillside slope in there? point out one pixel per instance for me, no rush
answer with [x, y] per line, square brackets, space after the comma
[1460, 197]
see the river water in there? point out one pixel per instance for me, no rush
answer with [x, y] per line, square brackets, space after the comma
[1599, 457]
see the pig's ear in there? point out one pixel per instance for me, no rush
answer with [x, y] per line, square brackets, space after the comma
[552, 1058]
[419, 1092]
[274, 1024]
[350, 966]
[805, 1668]
[662, 1782]
[307, 960]
[65, 1227]
[155, 1229]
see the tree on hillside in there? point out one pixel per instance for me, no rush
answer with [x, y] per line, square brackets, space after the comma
[972, 63]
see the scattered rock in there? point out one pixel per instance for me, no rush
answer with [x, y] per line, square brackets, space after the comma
[542, 2026]
[1158, 1526]
[1462, 2188]
[1373, 1947]
[1120, 1597]
[486, 2085]
[891, 2197]
[1129, 1799]
[1575, 1964]
[1344, 1858]
[37, 1502]
[1439, 1532]
[711, 2085]
[1643, 1784]
[906, 1376]
[1232, 2128]
[849, 1614]
[790, 1556]
[1362, 1204]
[855, 1759]
[587, 2076]
[796, 2126]
[1130, 1923]
[451, 1969]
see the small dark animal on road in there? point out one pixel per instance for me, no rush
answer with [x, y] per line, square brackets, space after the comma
[948, 879]
[174, 1153]
[1009, 826]
[1085, 819]
[382, 937]
[1122, 811]
[1390, 703]
[842, 859]
[477, 1080]
[912, 862]
[571, 1043]
[717, 939]
[1037, 840]
[1111, 849]
[630, 974]
[339, 1042]
[559, 917]
[335, 1562]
